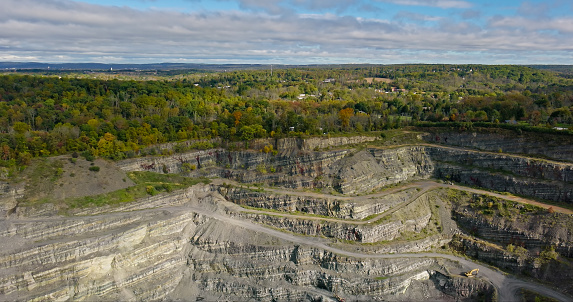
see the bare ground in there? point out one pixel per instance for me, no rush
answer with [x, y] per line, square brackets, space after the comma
[78, 181]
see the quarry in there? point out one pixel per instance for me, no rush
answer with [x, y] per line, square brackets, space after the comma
[401, 216]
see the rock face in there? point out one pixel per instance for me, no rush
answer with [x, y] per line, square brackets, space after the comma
[413, 217]
[340, 207]
[9, 194]
[555, 146]
[548, 190]
[198, 244]
[375, 168]
[532, 230]
[179, 251]
[362, 171]
[525, 263]
[514, 237]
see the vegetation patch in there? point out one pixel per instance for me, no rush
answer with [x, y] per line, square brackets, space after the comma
[40, 177]
[532, 296]
[146, 183]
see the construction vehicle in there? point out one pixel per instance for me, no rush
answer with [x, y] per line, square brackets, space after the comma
[472, 273]
[336, 296]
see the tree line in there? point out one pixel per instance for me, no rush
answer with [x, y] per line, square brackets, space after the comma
[51, 115]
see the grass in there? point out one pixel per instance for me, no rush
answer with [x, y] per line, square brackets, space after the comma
[284, 213]
[531, 296]
[160, 182]
[397, 137]
[41, 177]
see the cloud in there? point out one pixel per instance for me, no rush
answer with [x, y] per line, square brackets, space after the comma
[325, 4]
[405, 15]
[529, 8]
[562, 25]
[281, 7]
[432, 3]
[471, 14]
[64, 30]
[271, 6]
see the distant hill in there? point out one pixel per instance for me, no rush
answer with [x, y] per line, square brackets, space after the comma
[565, 70]
[102, 66]
[143, 67]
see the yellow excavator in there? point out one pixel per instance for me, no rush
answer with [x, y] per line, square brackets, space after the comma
[472, 273]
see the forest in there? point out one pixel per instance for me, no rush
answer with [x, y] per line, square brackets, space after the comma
[117, 114]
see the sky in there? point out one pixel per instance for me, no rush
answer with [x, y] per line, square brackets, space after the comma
[287, 31]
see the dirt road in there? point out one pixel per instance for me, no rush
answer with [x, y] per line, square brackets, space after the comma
[425, 186]
[507, 286]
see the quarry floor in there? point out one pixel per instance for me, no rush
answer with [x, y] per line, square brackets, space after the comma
[506, 285]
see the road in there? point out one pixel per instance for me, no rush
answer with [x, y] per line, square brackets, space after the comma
[507, 286]
[424, 185]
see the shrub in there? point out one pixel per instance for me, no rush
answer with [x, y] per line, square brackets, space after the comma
[267, 149]
[551, 210]
[262, 168]
[549, 254]
[520, 251]
[151, 190]
[88, 156]
[167, 187]
[187, 167]
[94, 168]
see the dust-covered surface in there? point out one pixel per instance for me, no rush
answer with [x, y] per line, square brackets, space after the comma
[191, 243]
[78, 181]
[64, 177]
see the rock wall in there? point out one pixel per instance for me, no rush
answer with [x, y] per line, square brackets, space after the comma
[414, 217]
[548, 190]
[332, 207]
[9, 196]
[538, 178]
[465, 289]
[553, 146]
[346, 171]
[362, 171]
[490, 253]
[526, 263]
[516, 165]
[371, 169]
[294, 144]
[172, 253]
[532, 230]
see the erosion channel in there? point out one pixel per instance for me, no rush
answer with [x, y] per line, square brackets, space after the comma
[401, 217]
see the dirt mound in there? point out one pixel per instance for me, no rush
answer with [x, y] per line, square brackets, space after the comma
[81, 178]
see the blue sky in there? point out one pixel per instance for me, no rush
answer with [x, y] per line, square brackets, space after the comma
[288, 31]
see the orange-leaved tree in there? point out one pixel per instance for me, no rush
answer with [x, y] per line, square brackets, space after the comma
[344, 115]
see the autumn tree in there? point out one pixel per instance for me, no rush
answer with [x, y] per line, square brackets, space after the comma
[344, 115]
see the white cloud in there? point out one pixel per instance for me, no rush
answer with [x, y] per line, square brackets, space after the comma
[416, 17]
[432, 3]
[562, 25]
[63, 30]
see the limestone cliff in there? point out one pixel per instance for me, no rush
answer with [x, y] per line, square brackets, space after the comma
[555, 146]
[186, 249]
